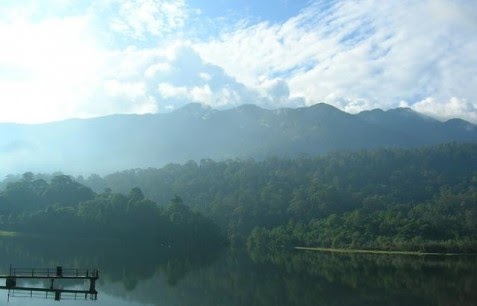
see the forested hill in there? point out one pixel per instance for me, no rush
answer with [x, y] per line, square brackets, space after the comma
[415, 199]
[421, 199]
[195, 132]
[64, 208]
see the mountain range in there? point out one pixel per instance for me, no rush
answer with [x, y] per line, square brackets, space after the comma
[194, 132]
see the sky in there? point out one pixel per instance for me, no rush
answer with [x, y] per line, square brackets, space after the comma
[63, 59]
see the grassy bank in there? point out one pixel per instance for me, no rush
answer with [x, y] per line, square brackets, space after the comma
[333, 250]
[8, 234]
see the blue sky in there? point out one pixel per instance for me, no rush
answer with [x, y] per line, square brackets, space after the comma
[78, 59]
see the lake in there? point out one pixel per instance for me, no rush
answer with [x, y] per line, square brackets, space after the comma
[138, 274]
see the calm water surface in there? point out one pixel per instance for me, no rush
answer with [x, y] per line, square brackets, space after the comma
[133, 274]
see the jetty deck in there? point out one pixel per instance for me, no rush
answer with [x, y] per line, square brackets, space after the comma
[57, 272]
[53, 275]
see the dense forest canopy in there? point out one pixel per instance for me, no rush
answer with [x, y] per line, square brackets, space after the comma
[64, 207]
[415, 199]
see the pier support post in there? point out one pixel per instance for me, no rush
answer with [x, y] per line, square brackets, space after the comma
[11, 282]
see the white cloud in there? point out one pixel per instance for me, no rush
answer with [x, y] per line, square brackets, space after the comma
[190, 79]
[360, 54]
[452, 108]
[356, 55]
[42, 79]
[35, 47]
[202, 94]
[276, 93]
[116, 88]
[180, 95]
[55, 68]
[205, 76]
[141, 18]
[168, 90]
[119, 96]
[152, 70]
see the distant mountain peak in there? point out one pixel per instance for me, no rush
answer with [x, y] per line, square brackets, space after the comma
[196, 110]
[462, 124]
[251, 109]
[193, 107]
[400, 113]
[410, 113]
[198, 131]
[324, 106]
[249, 106]
[402, 110]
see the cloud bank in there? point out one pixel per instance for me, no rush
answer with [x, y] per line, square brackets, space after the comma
[359, 55]
[145, 56]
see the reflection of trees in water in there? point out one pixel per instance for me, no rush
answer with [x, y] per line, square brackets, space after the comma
[423, 280]
[126, 262]
[201, 277]
[322, 279]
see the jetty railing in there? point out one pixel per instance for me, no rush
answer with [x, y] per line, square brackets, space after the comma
[55, 274]
[56, 294]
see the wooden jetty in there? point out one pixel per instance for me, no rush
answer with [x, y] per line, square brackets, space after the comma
[53, 275]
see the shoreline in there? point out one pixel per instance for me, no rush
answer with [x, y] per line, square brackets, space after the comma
[362, 251]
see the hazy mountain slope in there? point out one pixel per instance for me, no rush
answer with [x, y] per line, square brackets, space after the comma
[195, 132]
[424, 129]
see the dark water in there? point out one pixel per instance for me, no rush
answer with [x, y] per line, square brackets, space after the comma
[138, 274]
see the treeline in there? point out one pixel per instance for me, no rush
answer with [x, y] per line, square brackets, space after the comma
[64, 207]
[414, 199]
[406, 199]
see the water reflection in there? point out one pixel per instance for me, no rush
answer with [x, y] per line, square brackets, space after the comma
[123, 263]
[50, 283]
[367, 279]
[132, 273]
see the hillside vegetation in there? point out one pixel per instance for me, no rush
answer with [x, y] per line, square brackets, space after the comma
[402, 199]
[64, 208]
[394, 199]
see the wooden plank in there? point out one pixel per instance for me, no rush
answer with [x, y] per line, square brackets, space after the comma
[48, 277]
[36, 289]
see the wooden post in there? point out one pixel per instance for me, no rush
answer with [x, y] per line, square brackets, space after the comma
[11, 282]
[92, 285]
[59, 271]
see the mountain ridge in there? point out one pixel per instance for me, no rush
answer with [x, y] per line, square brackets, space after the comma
[194, 132]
